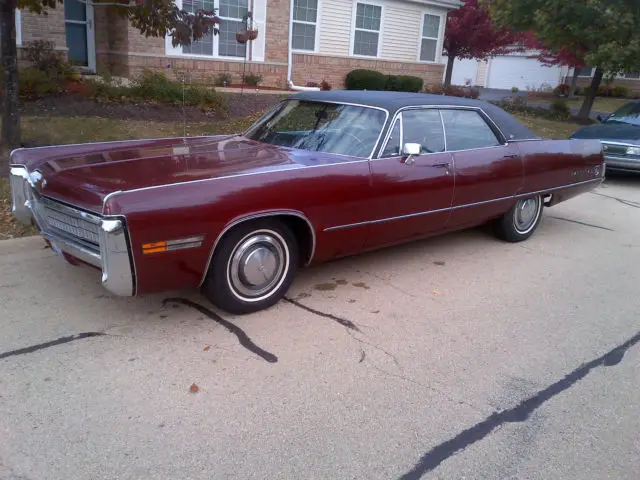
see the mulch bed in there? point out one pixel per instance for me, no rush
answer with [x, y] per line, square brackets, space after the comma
[239, 105]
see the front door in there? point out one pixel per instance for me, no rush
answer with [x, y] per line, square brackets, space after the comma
[78, 20]
[411, 196]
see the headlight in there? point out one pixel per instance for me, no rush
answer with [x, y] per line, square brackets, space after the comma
[635, 151]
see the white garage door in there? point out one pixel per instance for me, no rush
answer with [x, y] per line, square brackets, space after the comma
[463, 70]
[508, 71]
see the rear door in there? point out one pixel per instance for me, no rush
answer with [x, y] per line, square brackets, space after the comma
[488, 171]
[411, 196]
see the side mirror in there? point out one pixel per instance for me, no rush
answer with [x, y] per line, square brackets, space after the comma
[411, 149]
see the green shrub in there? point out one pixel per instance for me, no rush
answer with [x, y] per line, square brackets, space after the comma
[620, 92]
[454, 91]
[404, 83]
[34, 83]
[42, 56]
[253, 80]
[223, 79]
[560, 109]
[515, 89]
[362, 79]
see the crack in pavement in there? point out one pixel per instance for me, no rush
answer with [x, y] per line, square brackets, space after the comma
[520, 413]
[582, 223]
[52, 343]
[243, 338]
[629, 203]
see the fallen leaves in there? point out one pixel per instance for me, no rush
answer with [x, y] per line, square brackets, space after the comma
[436, 292]
[206, 348]
[194, 388]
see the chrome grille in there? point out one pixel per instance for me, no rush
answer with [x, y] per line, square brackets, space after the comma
[614, 149]
[70, 223]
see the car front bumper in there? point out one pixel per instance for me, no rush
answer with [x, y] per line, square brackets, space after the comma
[628, 164]
[102, 242]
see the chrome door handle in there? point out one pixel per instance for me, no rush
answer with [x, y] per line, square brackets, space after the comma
[511, 155]
[441, 165]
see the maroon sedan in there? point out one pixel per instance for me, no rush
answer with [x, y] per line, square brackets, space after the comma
[321, 175]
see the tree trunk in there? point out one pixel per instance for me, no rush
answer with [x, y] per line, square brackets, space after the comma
[585, 110]
[9, 54]
[574, 82]
[447, 77]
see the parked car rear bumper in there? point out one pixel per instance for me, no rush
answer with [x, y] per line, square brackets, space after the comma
[622, 164]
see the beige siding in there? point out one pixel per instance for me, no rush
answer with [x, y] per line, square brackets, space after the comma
[335, 27]
[400, 30]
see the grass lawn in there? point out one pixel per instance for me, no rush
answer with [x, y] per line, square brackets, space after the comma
[60, 130]
[601, 104]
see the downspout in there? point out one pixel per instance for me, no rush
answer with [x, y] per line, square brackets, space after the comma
[290, 62]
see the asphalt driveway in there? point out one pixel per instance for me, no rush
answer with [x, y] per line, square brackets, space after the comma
[454, 357]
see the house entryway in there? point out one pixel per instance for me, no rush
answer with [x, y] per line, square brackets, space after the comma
[79, 29]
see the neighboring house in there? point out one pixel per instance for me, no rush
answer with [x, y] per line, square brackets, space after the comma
[329, 38]
[515, 69]
[518, 70]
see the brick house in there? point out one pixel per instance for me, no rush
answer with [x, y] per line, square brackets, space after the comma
[328, 39]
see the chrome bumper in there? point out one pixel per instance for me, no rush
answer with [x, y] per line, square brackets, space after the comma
[111, 253]
[622, 163]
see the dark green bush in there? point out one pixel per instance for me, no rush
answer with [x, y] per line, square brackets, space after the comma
[560, 109]
[34, 83]
[253, 80]
[223, 79]
[620, 92]
[404, 83]
[362, 79]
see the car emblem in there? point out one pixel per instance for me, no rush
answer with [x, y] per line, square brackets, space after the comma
[37, 180]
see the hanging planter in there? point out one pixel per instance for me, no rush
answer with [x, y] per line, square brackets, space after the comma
[242, 37]
[252, 34]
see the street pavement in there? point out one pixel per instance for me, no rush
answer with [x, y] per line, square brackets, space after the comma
[457, 357]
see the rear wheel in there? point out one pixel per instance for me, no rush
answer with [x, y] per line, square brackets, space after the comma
[253, 267]
[520, 221]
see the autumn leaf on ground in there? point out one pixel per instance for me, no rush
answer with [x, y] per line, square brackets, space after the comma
[436, 292]
[206, 348]
[194, 388]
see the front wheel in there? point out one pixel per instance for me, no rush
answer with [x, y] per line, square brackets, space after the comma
[520, 221]
[253, 267]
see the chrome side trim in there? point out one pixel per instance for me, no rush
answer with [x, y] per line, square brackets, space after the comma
[117, 276]
[246, 218]
[459, 207]
[107, 197]
[105, 142]
[620, 144]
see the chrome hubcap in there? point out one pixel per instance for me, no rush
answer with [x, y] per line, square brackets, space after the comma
[257, 265]
[526, 214]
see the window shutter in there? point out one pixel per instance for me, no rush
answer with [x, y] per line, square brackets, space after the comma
[259, 21]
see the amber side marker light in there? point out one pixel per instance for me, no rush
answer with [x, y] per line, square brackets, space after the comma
[172, 245]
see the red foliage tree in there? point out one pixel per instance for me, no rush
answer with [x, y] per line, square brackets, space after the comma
[568, 56]
[470, 33]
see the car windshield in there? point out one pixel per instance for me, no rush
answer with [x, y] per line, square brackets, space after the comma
[630, 113]
[321, 127]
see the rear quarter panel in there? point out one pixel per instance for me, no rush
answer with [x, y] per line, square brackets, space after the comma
[556, 164]
[332, 195]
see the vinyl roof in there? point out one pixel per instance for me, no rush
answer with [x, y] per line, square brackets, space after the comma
[394, 101]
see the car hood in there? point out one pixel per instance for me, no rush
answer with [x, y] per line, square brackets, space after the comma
[84, 175]
[617, 132]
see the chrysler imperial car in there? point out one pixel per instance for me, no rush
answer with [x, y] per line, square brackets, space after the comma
[321, 175]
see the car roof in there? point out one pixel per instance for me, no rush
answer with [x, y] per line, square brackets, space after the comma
[394, 101]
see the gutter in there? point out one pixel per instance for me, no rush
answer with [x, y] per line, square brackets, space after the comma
[290, 83]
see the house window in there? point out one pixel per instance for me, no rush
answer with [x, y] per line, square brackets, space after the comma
[429, 40]
[632, 75]
[367, 29]
[585, 72]
[231, 13]
[305, 18]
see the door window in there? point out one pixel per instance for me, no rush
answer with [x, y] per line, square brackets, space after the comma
[466, 130]
[392, 148]
[424, 127]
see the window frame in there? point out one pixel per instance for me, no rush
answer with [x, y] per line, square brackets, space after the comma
[216, 39]
[439, 40]
[352, 40]
[316, 40]
[502, 139]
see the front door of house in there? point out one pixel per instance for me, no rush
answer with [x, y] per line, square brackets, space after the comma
[78, 20]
